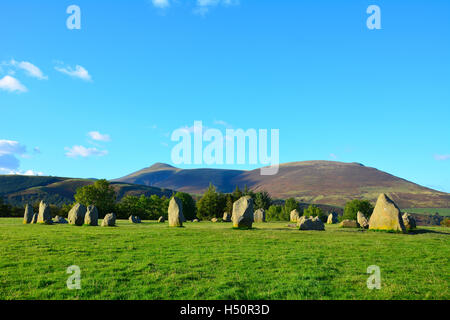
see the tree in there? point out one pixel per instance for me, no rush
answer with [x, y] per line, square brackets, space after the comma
[4, 209]
[189, 207]
[352, 207]
[313, 211]
[130, 205]
[275, 213]
[237, 194]
[289, 205]
[229, 204]
[262, 200]
[99, 194]
[209, 206]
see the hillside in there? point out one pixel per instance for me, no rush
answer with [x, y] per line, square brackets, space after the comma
[18, 190]
[325, 182]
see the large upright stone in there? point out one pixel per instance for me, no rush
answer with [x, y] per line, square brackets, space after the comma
[226, 217]
[243, 213]
[332, 218]
[386, 216]
[311, 224]
[176, 217]
[362, 220]
[161, 220]
[77, 214]
[409, 221]
[28, 215]
[260, 215]
[295, 215]
[109, 220]
[134, 219]
[44, 215]
[91, 217]
[35, 218]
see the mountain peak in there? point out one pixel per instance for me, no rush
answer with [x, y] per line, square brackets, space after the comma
[160, 165]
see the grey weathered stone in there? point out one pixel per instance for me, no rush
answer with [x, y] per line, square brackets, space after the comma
[161, 220]
[91, 217]
[109, 220]
[349, 224]
[409, 221]
[28, 215]
[226, 217]
[195, 220]
[35, 218]
[77, 214]
[134, 219]
[386, 216]
[311, 224]
[176, 217]
[60, 220]
[300, 220]
[332, 218]
[44, 215]
[295, 215]
[214, 220]
[362, 220]
[259, 215]
[243, 212]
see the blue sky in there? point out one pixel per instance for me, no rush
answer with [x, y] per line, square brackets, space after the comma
[103, 101]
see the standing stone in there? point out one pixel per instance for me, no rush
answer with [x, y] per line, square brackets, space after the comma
[386, 216]
[260, 215]
[35, 218]
[28, 215]
[226, 217]
[109, 220]
[134, 219]
[44, 215]
[312, 224]
[243, 212]
[60, 220]
[349, 224]
[300, 221]
[77, 214]
[295, 215]
[195, 220]
[91, 218]
[332, 218]
[409, 221]
[362, 220]
[161, 220]
[214, 220]
[176, 217]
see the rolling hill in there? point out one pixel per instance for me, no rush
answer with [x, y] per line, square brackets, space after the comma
[18, 190]
[325, 182]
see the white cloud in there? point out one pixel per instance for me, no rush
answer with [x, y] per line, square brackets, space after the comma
[9, 150]
[79, 72]
[162, 4]
[11, 147]
[21, 173]
[30, 69]
[80, 151]
[97, 136]
[442, 157]
[11, 84]
[203, 6]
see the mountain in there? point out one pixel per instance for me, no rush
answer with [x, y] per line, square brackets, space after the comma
[18, 190]
[325, 182]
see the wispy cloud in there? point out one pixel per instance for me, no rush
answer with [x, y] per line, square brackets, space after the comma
[204, 6]
[30, 69]
[77, 72]
[9, 163]
[11, 84]
[442, 157]
[161, 4]
[97, 136]
[81, 151]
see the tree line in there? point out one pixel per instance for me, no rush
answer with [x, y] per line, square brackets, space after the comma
[212, 204]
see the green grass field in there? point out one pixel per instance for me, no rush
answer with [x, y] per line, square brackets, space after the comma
[445, 212]
[213, 261]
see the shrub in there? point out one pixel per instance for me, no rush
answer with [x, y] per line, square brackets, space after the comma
[313, 211]
[446, 222]
[352, 207]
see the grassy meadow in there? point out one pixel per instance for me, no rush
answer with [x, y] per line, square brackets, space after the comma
[212, 261]
[445, 212]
